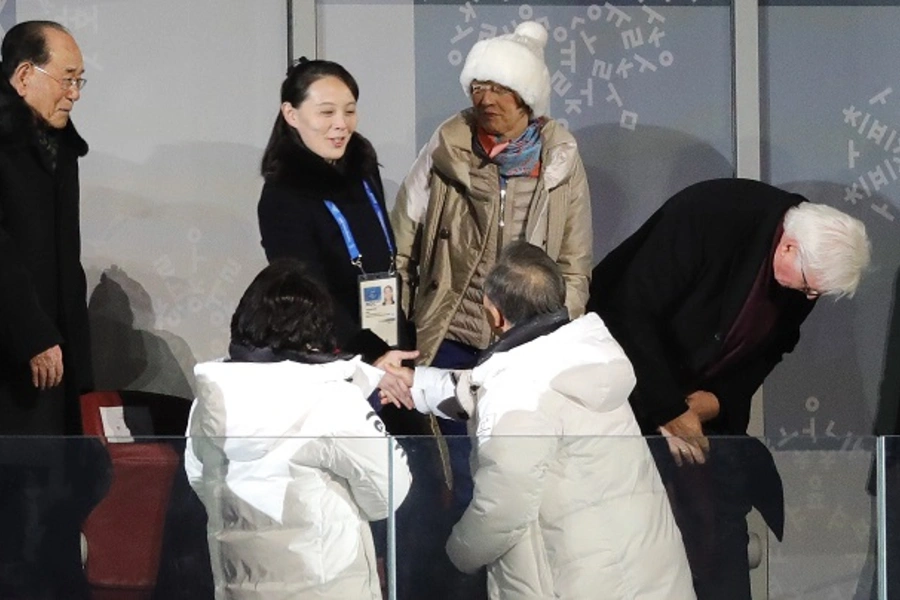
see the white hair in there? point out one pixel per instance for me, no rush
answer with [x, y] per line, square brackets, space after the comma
[833, 246]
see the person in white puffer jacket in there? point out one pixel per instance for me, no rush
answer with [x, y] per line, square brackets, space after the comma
[287, 455]
[568, 503]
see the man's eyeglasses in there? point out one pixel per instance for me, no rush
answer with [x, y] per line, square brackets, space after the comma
[478, 89]
[806, 289]
[67, 83]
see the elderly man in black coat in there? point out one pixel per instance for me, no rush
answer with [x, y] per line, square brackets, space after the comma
[44, 343]
[47, 485]
[705, 298]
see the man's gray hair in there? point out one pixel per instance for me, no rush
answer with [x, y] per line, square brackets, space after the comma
[524, 283]
[833, 246]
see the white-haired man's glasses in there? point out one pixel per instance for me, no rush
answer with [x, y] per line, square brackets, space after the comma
[810, 292]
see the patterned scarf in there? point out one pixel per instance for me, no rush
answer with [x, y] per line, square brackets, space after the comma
[520, 157]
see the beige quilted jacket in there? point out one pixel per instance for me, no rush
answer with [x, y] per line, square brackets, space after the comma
[446, 218]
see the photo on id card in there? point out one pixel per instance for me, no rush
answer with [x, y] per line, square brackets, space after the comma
[378, 306]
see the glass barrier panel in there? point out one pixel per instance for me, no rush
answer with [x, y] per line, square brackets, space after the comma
[145, 519]
[890, 527]
[559, 514]
[82, 518]
[830, 530]
[815, 499]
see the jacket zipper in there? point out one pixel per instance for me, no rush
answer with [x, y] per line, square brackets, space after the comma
[502, 219]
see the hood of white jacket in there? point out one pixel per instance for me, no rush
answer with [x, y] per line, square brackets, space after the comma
[580, 360]
[254, 404]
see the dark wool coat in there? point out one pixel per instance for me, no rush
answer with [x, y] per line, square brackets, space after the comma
[42, 283]
[294, 222]
[671, 292]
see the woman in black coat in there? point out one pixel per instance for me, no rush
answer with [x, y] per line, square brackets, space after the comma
[315, 158]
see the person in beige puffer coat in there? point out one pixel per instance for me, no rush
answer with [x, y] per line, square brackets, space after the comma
[492, 174]
[499, 171]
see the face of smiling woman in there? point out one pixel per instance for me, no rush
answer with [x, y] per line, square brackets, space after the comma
[326, 119]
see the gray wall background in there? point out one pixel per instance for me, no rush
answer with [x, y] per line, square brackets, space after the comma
[831, 130]
[831, 120]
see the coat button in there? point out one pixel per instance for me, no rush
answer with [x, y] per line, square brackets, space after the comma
[718, 337]
[433, 285]
[444, 233]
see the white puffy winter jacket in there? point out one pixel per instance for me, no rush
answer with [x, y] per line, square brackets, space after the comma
[291, 462]
[568, 503]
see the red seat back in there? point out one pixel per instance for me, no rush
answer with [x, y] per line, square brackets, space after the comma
[125, 531]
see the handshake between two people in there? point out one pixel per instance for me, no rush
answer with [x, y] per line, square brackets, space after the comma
[397, 381]
[445, 393]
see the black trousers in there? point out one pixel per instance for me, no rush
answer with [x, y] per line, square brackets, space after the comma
[48, 486]
[711, 503]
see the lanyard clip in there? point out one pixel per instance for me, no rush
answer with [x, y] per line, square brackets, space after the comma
[357, 262]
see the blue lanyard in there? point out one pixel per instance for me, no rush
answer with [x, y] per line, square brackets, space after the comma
[377, 208]
[349, 240]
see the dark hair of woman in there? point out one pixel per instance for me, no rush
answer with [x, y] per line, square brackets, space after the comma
[294, 90]
[284, 308]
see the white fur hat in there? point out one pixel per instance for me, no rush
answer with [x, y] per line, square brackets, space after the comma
[516, 61]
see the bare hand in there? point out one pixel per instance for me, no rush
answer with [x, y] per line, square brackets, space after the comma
[394, 389]
[47, 368]
[704, 404]
[685, 436]
[405, 374]
[395, 358]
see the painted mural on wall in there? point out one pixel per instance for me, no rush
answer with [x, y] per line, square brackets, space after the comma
[7, 15]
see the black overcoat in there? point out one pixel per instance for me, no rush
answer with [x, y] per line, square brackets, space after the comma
[671, 292]
[42, 283]
[294, 222]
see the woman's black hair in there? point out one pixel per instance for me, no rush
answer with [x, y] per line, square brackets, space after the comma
[285, 308]
[294, 90]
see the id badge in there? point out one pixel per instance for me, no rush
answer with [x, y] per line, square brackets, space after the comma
[378, 308]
